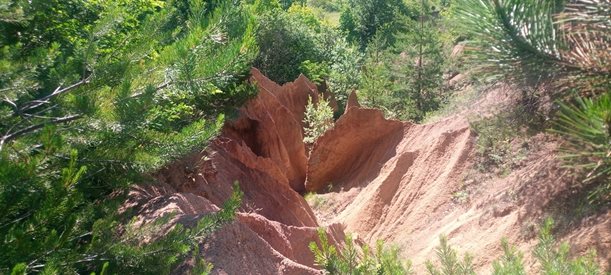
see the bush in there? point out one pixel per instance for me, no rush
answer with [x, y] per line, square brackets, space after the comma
[327, 5]
[318, 118]
[314, 200]
[493, 145]
[316, 72]
[556, 260]
[511, 263]
[287, 39]
[449, 262]
[360, 260]
[363, 19]
[357, 260]
[296, 42]
[344, 75]
[284, 44]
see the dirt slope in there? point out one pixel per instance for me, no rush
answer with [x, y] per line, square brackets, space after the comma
[262, 150]
[397, 181]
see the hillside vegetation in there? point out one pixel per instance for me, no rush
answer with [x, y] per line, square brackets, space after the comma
[100, 100]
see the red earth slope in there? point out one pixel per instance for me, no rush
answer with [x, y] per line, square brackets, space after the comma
[379, 178]
[400, 182]
[262, 150]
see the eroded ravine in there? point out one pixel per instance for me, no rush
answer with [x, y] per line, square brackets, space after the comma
[381, 179]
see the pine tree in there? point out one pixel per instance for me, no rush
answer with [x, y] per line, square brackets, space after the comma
[539, 41]
[420, 72]
[377, 88]
[94, 96]
[363, 19]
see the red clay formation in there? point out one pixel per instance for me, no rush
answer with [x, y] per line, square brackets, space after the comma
[378, 178]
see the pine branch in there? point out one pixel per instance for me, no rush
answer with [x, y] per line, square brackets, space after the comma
[45, 100]
[32, 128]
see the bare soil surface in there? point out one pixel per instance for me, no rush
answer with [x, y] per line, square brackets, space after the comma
[413, 183]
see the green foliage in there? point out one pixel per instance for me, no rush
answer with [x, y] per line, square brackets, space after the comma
[327, 255]
[529, 40]
[317, 119]
[511, 263]
[286, 4]
[357, 260]
[127, 254]
[420, 72]
[296, 41]
[327, 5]
[345, 67]
[556, 260]
[586, 127]
[406, 80]
[316, 72]
[377, 87]
[314, 200]
[493, 145]
[96, 95]
[351, 259]
[553, 260]
[449, 263]
[363, 19]
[285, 42]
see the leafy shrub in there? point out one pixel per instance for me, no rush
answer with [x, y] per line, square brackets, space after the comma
[316, 72]
[296, 41]
[345, 68]
[318, 118]
[553, 260]
[314, 200]
[363, 19]
[285, 41]
[493, 144]
[357, 260]
[327, 5]
[586, 127]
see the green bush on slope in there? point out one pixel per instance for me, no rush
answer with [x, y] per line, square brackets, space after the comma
[357, 260]
[552, 259]
[318, 118]
[449, 263]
